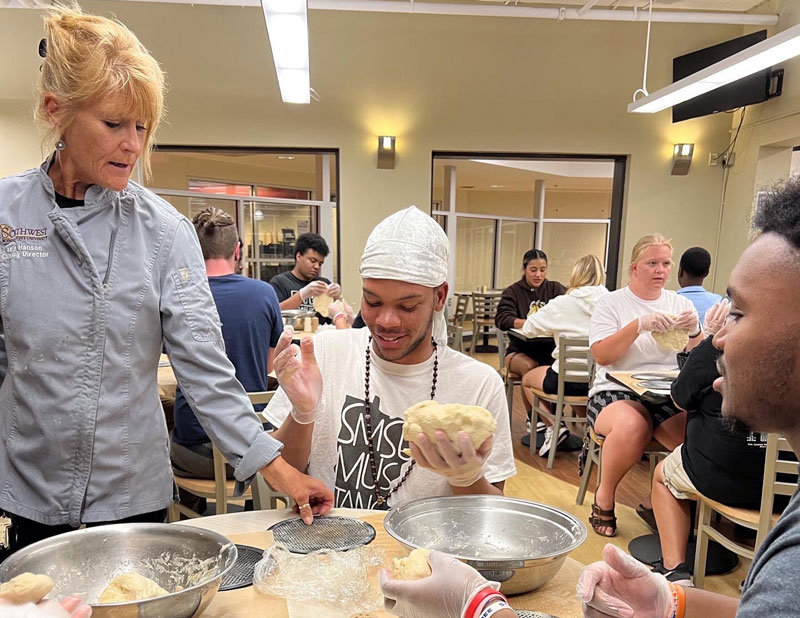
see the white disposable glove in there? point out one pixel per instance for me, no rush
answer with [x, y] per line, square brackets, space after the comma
[340, 307]
[716, 317]
[69, 607]
[658, 322]
[624, 587]
[299, 376]
[315, 288]
[687, 320]
[460, 470]
[334, 290]
[445, 593]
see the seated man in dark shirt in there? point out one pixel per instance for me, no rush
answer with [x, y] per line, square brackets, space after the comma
[251, 326]
[722, 463]
[297, 288]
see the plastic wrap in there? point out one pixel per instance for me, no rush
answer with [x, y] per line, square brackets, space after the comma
[336, 579]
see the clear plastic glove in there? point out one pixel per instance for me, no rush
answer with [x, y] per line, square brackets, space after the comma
[69, 607]
[299, 376]
[315, 288]
[622, 586]
[687, 320]
[658, 322]
[446, 593]
[716, 316]
[460, 470]
[334, 290]
[340, 307]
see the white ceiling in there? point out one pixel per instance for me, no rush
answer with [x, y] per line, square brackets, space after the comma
[731, 6]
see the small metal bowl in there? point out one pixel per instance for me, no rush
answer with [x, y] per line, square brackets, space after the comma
[518, 543]
[183, 558]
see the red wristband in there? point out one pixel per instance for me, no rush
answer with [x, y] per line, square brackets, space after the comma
[478, 600]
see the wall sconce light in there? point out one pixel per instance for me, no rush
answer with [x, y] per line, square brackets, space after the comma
[682, 159]
[386, 151]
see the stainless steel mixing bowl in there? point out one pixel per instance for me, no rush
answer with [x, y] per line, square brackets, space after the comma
[518, 543]
[187, 561]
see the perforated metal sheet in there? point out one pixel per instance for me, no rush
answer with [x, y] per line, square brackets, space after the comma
[526, 614]
[330, 532]
[241, 574]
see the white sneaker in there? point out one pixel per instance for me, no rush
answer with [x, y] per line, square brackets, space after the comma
[563, 434]
[540, 426]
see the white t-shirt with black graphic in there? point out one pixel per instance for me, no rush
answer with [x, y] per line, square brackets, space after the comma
[339, 452]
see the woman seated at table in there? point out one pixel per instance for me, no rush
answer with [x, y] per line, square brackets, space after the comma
[521, 299]
[621, 340]
[566, 315]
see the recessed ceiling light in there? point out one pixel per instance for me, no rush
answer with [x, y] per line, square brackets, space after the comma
[286, 157]
[496, 186]
[467, 187]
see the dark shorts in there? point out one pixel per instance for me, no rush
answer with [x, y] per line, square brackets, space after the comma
[659, 412]
[571, 389]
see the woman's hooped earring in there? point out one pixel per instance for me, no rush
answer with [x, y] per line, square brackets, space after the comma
[60, 145]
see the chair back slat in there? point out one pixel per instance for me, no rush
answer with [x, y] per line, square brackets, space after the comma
[257, 397]
[575, 360]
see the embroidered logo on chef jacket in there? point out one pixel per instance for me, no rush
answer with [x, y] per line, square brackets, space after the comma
[22, 242]
[355, 486]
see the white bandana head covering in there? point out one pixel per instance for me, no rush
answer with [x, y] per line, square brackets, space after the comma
[409, 246]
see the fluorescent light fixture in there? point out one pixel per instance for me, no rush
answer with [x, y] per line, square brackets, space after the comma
[287, 25]
[774, 50]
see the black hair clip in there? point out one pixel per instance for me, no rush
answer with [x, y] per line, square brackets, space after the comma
[43, 48]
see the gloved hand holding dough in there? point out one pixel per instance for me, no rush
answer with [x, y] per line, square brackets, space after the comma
[428, 417]
[414, 566]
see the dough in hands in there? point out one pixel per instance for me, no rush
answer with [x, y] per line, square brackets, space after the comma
[130, 586]
[413, 566]
[675, 339]
[321, 304]
[26, 588]
[428, 416]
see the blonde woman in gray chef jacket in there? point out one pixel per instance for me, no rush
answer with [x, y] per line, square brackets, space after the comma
[96, 274]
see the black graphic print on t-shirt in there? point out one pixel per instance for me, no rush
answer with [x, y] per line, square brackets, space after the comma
[355, 487]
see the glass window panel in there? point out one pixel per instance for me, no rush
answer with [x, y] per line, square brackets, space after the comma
[271, 235]
[190, 206]
[288, 194]
[474, 253]
[566, 243]
[223, 188]
[442, 221]
[516, 237]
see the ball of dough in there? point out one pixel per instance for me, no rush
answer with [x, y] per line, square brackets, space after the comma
[413, 566]
[130, 587]
[428, 416]
[321, 304]
[26, 588]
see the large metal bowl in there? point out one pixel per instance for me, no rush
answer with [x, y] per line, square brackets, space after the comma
[185, 559]
[518, 543]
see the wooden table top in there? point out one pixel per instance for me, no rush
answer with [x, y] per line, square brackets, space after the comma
[557, 597]
[519, 334]
[626, 379]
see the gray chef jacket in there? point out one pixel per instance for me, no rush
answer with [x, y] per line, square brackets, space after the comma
[88, 295]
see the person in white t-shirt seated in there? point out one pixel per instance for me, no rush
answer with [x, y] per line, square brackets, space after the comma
[568, 316]
[343, 393]
[620, 339]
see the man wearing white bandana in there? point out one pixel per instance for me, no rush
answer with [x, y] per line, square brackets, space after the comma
[343, 394]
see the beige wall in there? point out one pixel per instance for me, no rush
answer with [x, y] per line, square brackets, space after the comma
[763, 151]
[437, 83]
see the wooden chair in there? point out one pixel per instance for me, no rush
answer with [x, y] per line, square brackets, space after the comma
[779, 459]
[575, 364]
[655, 450]
[455, 324]
[220, 489]
[484, 310]
[510, 379]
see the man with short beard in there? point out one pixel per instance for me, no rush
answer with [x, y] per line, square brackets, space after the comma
[343, 394]
[760, 386]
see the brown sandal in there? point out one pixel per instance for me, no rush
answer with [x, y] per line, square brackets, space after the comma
[597, 520]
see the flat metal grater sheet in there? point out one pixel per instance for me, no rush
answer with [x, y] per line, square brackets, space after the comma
[526, 614]
[241, 574]
[328, 532]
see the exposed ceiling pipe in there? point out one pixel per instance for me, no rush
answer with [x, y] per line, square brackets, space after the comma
[431, 8]
[620, 14]
[587, 6]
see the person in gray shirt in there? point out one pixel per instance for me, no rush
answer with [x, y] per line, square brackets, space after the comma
[96, 275]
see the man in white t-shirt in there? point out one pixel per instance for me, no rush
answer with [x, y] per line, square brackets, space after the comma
[400, 359]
